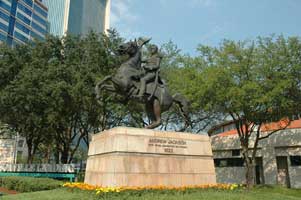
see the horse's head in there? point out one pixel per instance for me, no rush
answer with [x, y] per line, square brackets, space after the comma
[129, 48]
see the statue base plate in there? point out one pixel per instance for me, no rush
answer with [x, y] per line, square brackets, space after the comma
[141, 157]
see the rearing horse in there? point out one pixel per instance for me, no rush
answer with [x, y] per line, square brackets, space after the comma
[126, 82]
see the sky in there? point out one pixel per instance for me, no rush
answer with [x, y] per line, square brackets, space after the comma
[189, 23]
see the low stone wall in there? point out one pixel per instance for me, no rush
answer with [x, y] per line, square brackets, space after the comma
[49, 168]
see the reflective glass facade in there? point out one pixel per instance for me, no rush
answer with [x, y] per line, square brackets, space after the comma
[22, 21]
[77, 16]
[56, 15]
[86, 16]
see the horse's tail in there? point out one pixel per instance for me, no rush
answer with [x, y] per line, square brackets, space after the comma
[184, 107]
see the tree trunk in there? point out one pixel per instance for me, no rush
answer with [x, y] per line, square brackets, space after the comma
[57, 152]
[249, 174]
[249, 165]
[76, 147]
[31, 153]
[29, 158]
[65, 154]
[29, 149]
[47, 154]
[57, 156]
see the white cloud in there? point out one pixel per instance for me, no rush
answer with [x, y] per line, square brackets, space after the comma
[121, 11]
[123, 17]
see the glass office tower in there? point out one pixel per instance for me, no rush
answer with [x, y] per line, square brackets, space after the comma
[78, 16]
[22, 21]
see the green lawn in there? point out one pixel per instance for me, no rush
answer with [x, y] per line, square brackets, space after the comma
[262, 193]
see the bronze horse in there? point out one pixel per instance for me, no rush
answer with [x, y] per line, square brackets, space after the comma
[125, 82]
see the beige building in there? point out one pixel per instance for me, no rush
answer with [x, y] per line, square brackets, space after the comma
[7, 151]
[278, 160]
[11, 149]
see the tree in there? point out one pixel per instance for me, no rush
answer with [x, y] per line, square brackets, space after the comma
[73, 112]
[47, 93]
[183, 74]
[253, 83]
[6, 131]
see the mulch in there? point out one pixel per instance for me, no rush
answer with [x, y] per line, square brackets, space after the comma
[6, 191]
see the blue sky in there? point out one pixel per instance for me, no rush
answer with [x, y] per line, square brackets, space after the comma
[191, 22]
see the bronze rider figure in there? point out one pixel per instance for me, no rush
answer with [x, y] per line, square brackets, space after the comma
[151, 69]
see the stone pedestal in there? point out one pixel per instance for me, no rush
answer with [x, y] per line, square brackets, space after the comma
[140, 157]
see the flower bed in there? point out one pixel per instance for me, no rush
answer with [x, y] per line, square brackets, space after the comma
[102, 190]
[6, 191]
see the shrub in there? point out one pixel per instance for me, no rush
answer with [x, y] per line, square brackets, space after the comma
[29, 184]
[80, 176]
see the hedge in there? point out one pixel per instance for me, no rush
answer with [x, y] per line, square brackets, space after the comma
[29, 184]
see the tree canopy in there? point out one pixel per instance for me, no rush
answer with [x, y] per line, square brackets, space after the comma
[253, 83]
[47, 93]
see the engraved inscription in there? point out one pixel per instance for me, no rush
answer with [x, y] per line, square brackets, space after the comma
[168, 150]
[168, 145]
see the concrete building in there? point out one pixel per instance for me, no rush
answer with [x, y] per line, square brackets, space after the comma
[7, 153]
[278, 159]
[78, 16]
[12, 149]
[22, 21]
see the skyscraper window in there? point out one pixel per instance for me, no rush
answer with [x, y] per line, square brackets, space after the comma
[78, 16]
[17, 20]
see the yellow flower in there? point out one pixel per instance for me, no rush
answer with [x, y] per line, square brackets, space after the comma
[99, 189]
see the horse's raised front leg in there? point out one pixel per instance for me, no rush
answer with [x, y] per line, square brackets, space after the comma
[108, 87]
[155, 110]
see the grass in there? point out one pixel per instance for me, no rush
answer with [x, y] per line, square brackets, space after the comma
[56, 194]
[259, 193]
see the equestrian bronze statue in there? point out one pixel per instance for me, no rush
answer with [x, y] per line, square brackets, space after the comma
[140, 81]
